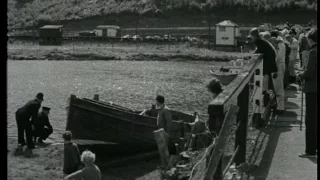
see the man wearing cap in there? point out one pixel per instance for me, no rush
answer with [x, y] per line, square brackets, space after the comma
[42, 126]
[23, 116]
[269, 60]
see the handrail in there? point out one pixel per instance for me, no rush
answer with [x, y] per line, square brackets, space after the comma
[236, 93]
[232, 91]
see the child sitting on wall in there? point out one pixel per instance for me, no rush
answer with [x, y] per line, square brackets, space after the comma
[71, 155]
[90, 171]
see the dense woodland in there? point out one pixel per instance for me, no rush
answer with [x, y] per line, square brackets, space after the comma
[29, 13]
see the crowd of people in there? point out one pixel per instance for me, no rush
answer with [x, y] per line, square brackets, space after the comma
[282, 50]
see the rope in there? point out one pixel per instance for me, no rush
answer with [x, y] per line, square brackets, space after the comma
[201, 160]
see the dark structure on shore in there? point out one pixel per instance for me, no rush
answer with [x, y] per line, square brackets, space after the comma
[51, 35]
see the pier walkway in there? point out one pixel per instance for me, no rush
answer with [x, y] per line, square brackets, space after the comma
[283, 141]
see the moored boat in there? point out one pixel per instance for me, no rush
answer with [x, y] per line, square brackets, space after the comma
[226, 74]
[127, 132]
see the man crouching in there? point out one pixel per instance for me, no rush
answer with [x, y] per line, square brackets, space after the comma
[41, 126]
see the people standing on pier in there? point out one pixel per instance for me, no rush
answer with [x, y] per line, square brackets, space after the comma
[294, 46]
[278, 81]
[23, 116]
[309, 76]
[164, 120]
[42, 126]
[303, 47]
[90, 171]
[71, 161]
[269, 62]
[287, 50]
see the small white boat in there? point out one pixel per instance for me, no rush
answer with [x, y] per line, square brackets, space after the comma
[226, 74]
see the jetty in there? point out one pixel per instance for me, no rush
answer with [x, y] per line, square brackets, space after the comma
[275, 155]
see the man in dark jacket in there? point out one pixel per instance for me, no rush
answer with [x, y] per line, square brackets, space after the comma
[269, 59]
[42, 126]
[164, 120]
[309, 76]
[269, 66]
[23, 115]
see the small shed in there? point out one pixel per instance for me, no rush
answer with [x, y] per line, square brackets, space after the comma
[108, 31]
[227, 33]
[50, 35]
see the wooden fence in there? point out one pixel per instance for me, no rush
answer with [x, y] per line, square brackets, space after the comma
[232, 105]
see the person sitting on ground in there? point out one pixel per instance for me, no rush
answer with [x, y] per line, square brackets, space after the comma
[42, 127]
[90, 171]
[72, 161]
[309, 76]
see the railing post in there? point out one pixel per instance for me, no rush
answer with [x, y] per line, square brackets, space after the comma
[241, 132]
[216, 114]
[257, 96]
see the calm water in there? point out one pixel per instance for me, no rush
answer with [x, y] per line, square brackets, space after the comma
[129, 83]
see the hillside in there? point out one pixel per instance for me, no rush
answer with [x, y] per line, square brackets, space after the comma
[155, 13]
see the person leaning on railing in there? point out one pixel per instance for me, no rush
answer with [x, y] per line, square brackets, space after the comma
[269, 61]
[309, 76]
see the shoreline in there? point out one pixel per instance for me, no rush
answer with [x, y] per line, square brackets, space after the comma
[127, 53]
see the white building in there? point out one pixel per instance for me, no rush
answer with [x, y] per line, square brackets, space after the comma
[227, 33]
[108, 31]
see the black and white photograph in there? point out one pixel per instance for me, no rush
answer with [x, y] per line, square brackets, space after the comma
[161, 89]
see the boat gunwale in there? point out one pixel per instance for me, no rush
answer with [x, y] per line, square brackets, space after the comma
[123, 119]
[100, 103]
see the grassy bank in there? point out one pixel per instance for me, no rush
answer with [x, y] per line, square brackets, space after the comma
[142, 52]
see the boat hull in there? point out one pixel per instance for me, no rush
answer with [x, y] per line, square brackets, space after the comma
[132, 133]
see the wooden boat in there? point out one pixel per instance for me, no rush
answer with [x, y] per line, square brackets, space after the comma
[127, 131]
[226, 74]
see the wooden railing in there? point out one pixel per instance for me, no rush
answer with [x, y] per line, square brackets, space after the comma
[232, 105]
